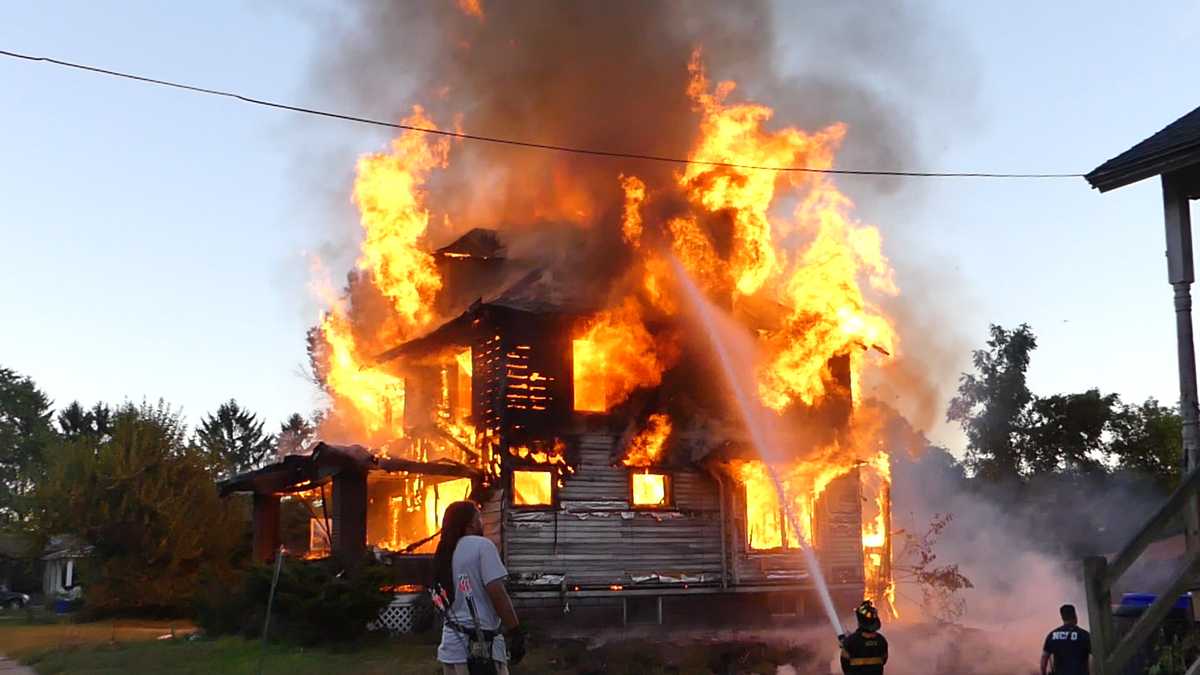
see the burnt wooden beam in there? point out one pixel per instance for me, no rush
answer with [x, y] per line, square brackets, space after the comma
[350, 516]
[266, 527]
[430, 468]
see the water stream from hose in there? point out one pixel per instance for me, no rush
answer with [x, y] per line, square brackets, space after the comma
[751, 417]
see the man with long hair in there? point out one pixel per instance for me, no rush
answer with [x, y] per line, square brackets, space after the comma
[469, 582]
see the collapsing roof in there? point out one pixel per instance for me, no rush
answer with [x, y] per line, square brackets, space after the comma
[296, 473]
[479, 243]
[537, 292]
[1176, 146]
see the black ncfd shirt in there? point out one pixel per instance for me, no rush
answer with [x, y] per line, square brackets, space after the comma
[1070, 646]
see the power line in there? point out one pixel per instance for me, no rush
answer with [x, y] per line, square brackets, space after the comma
[519, 143]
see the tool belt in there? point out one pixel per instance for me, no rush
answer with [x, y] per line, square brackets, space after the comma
[479, 642]
[488, 635]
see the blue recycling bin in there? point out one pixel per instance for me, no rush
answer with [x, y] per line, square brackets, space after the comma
[1178, 622]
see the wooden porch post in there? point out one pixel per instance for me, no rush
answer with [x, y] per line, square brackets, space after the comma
[1181, 274]
[349, 540]
[266, 526]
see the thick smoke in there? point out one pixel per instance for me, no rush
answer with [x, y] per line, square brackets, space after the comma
[613, 75]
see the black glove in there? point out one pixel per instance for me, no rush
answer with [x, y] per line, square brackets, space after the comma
[514, 639]
[842, 640]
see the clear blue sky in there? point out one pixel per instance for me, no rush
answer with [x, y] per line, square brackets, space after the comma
[155, 241]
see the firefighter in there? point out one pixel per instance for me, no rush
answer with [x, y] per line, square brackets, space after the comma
[1068, 648]
[865, 651]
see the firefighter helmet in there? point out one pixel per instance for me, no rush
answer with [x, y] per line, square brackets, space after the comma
[868, 616]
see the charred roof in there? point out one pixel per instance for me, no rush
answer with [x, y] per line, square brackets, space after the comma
[479, 243]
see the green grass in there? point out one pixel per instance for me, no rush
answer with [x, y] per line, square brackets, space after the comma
[233, 655]
[90, 648]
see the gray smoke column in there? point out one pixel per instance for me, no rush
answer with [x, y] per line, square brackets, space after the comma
[613, 75]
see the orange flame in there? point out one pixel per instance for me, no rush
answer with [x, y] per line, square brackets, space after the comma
[649, 489]
[646, 448]
[631, 223]
[388, 190]
[471, 8]
[375, 396]
[614, 355]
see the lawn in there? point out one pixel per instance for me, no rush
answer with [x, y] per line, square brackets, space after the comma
[136, 647]
[90, 648]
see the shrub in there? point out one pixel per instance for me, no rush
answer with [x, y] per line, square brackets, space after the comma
[317, 601]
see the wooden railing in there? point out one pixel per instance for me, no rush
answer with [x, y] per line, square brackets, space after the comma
[1111, 655]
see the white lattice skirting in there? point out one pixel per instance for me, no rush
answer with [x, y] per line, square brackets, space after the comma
[404, 614]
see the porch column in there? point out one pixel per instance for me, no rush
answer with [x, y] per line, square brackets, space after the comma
[1181, 275]
[349, 516]
[266, 527]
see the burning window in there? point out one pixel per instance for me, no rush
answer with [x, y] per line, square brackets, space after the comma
[649, 489]
[465, 368]
[404, 512]
[318, 537]
[767, 524]
[441, 495]
[589, 379]
[531, 488]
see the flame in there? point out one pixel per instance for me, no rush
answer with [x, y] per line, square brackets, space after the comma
[646, 448]
[375, 396]
[635, 194]
[531, 488]
[415, 514]
[614, 355]
[388, 190]
[880, 585]
[751, 239]
[829, 315]
[733, 134]
[768, 525]
[649, 489]
[471, 8]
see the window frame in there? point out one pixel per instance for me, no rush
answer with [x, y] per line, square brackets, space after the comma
[668, 490]
[512, 493]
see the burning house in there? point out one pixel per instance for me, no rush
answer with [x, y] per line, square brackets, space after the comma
[552, 370]
[596, 493]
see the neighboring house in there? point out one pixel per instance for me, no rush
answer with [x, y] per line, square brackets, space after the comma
[62, 558]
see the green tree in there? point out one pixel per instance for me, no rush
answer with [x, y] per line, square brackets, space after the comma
[75, 421]
[235, 437]
[25, 431]
[991, 402]
[1066, 433]
[294, 433]
[1147, 438]
[146, 501]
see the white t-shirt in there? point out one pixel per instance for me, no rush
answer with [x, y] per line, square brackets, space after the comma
[476, 563]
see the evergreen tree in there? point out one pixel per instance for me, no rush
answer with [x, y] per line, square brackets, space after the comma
[25, 431]
[234, 438]
[294, 434]
[75, 421]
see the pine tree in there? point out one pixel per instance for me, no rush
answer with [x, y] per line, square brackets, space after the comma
[234, 438]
